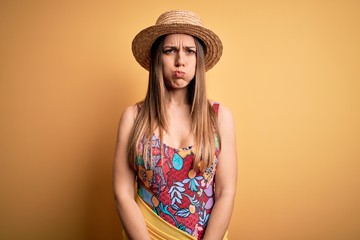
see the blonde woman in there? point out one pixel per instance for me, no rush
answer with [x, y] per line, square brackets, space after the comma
[176, 146]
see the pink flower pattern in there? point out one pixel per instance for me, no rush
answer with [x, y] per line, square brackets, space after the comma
[181, 196]
[173, 190]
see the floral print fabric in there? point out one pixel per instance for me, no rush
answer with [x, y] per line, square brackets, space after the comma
[173, 190]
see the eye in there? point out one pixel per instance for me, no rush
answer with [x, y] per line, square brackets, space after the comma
[191, 51]
[169, 50]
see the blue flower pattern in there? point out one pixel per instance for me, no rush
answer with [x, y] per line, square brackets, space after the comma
[176, 193]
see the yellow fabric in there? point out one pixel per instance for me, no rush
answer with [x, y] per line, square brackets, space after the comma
[160, 229]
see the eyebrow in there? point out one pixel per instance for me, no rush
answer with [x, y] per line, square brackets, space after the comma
[173, 46]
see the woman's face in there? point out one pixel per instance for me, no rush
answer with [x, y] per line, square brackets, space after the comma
[179, 60]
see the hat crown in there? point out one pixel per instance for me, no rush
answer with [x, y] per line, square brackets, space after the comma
[179, 17]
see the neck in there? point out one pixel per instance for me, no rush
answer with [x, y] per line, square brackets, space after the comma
[177, 97]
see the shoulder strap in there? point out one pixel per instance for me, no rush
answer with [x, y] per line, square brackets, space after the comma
[215, 106]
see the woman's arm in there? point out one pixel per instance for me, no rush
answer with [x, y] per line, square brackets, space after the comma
[124, 181]
[225, 180]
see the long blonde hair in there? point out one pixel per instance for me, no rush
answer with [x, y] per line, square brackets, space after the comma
[152, 112]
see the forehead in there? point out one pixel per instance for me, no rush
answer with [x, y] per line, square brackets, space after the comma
[175, 39]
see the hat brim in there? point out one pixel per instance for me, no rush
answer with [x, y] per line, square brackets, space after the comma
[143, 41]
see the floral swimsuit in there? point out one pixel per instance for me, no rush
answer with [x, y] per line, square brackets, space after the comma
[173, 190]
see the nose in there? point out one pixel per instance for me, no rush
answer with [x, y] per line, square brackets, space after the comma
[179, 61]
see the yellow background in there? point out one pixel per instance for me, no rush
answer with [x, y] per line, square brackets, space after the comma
[290, 73]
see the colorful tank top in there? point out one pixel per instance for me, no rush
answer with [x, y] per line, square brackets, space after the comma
[173, 190]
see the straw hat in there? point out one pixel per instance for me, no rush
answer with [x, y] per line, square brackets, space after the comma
[177, 21]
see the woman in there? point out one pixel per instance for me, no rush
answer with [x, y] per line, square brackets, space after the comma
[176, 144]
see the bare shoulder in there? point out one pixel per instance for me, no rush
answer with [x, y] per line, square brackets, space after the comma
[225, 113]
[225, 118]
[128, 117]
[130, 112]
[226, 122]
